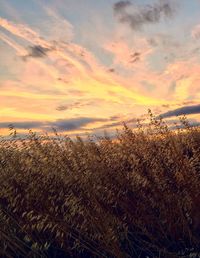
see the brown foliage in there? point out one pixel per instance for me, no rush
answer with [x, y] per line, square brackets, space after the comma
[134, 196]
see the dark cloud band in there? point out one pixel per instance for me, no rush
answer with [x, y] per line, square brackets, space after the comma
[187, 110]
[60, 124]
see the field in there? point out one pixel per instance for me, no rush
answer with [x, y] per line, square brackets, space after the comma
[135, 196]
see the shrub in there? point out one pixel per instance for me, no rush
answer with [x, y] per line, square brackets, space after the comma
[134, 196]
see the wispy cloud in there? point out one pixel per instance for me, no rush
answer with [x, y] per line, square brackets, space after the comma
[57, 26]
[19, 49]
[23, 31]
[90, 71]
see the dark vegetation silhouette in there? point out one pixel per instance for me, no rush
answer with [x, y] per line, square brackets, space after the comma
[135, 196]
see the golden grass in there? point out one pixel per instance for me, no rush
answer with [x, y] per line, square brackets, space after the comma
[131, 197]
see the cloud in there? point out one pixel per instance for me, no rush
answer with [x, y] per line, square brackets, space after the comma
[135, 57]
[76, 104]
[19, 49]
[164, 40]
[37, 51]
[148, 86]
[196, 32]
[21, 125]
[122, 89]
[136, 16]
[56, 25]
[121, 5]
[187, 110]
[127, 54]
[62, 108]
[23, 31]
[74, 123]
[85, 70]
[116, 121]
[111, 70]
[60, 124]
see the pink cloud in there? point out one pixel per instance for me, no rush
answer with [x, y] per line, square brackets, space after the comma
[196, 32]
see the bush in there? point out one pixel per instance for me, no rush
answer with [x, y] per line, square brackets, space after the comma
[134, 196]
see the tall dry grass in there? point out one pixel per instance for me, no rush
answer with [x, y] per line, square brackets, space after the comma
[135, 196]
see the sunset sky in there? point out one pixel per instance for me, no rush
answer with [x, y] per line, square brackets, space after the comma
[83, 66]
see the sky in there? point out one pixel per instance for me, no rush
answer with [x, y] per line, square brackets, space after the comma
[86, 66]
